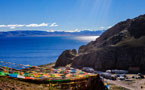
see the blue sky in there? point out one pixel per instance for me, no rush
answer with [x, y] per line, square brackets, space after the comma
[66, 14]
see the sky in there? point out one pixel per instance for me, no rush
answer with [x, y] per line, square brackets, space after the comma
[66, 15]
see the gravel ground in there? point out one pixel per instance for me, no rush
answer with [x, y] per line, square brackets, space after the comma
[131, 84]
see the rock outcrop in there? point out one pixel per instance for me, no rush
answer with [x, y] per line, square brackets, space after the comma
[120, 47]
[66, 58]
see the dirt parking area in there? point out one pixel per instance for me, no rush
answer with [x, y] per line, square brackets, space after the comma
[129, 84]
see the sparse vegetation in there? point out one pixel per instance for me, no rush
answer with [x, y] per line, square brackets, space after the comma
[115, 87]
[12, 84]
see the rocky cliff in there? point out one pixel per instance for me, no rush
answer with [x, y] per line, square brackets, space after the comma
[120, 47]
[66, 57]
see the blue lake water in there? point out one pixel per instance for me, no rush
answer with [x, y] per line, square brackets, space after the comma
[38, 50]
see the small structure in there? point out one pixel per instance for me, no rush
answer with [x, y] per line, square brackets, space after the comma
[134, 69]
[106, 75]
[119, 71]
[88, 69]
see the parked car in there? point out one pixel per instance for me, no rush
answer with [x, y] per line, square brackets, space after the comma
[108, 71]
[117, 75]
[138, 77]
[106, 75]
[122, 78]
[123, 75]
[113, 78]
[133, 77]
[141, 75]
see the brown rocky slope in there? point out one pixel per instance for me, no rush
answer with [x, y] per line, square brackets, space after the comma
[120, 47]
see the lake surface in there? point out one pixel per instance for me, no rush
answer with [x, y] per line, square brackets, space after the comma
[38, 50]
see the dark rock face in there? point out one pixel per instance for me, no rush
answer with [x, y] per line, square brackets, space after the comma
[66, 58]
[74, 51]
[137, 27]
[120, 47]
[95, 84]
[112, 58]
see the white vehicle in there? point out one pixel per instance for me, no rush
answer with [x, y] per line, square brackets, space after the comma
[108, 71]
[122, 78]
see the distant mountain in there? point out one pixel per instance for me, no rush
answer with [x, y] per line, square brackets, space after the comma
[44, 33]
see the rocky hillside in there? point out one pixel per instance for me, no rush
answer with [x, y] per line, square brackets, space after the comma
[120, 47]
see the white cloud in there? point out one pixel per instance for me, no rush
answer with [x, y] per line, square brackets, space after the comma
[50, 30]
[55, 30]
[3, 26]
[37, 25]
[53, 25]
[76, 30]
[13, 26]
[102, 28]
[109, 27]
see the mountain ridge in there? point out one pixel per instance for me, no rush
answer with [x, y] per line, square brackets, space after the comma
[45, 33]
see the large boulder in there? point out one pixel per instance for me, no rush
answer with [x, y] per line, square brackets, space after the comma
[66, 58]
